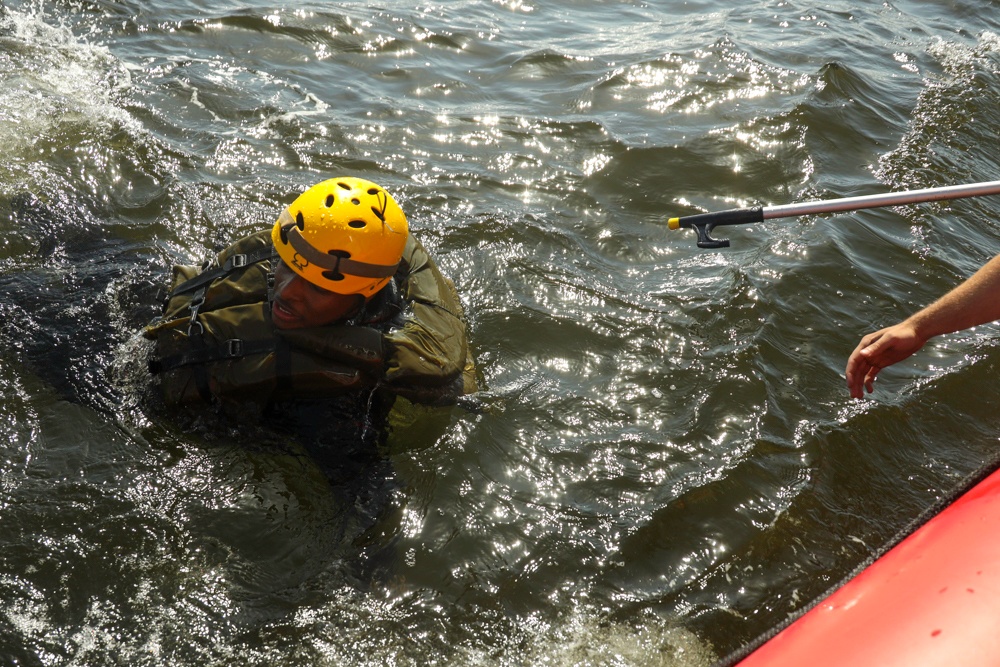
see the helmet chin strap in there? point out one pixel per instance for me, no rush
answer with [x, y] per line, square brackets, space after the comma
[306, 254]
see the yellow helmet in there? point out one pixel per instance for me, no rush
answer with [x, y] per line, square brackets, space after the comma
[345, 235]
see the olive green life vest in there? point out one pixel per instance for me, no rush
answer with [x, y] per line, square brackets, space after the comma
[215, 339]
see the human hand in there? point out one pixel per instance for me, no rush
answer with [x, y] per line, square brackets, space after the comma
[878, 350]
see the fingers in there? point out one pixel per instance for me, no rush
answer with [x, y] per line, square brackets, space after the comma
[870, 379]
[861, 376]
[879, 350]
[858, 375]
[873, 343]
[862, 367]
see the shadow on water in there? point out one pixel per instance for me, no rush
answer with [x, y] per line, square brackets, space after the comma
[68, 294]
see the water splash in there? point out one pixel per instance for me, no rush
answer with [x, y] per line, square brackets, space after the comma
[58, 93]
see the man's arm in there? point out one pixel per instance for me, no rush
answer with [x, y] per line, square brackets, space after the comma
[427, 359]
[974, 302]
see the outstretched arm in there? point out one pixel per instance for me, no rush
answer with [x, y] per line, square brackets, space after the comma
[427, 359]
[974, 302]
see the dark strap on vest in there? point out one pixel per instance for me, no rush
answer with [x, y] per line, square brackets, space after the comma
[201, 379]
[234, 348]
[233, 263]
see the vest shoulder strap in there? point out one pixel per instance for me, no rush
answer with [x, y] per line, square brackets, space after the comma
[212, 272]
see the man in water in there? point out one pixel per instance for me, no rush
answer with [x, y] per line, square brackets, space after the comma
[336, 299]
[972, 303]
[308, 331]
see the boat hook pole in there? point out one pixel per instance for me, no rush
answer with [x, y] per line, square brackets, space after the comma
[704, 223]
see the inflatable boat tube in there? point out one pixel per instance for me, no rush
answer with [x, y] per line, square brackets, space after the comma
[933, 599]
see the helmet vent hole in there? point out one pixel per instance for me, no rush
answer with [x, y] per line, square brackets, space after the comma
[378, 213]
[300, 221]
[373, 191]
[357, 224]
[329, 200]
[356, 201]
[336, 275]
[344, 185]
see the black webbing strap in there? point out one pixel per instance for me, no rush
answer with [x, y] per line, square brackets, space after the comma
[233, 263]
[201, 379]
[234, 348]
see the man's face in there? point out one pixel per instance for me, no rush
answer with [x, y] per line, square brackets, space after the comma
[298, 303]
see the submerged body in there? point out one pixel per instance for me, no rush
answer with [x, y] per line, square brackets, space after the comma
[409, 339]
[311, 330]
[337, 298]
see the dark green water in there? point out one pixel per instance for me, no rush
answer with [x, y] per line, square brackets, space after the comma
[667, 464]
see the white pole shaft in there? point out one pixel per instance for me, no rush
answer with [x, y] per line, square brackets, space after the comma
[888, 199]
